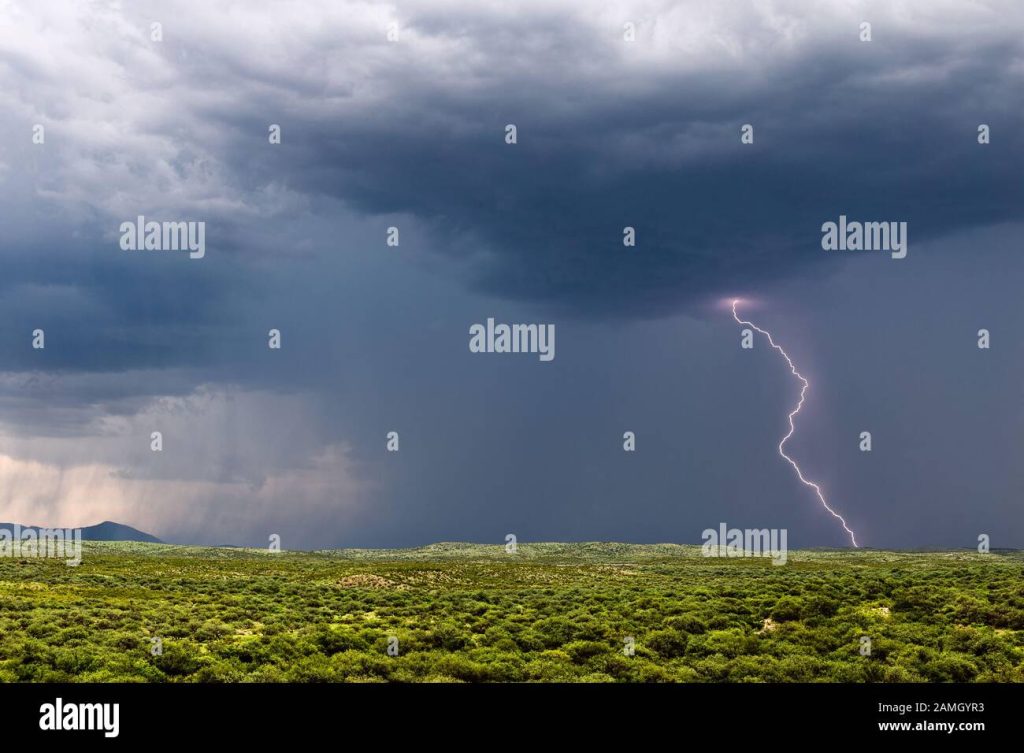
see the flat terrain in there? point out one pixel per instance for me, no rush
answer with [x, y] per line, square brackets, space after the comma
[551, 612]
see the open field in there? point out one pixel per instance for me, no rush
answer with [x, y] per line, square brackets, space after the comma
[551, 612]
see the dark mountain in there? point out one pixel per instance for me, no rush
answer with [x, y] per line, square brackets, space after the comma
[108, 530]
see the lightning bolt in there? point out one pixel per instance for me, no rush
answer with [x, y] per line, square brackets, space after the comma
[792, 426]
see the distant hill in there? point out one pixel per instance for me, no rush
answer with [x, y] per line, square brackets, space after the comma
[108, 530]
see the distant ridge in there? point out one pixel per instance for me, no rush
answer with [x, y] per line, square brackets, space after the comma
[108, 530]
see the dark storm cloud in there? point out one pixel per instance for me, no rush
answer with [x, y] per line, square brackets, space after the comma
[885, 130]
[411, 134]
[611, 133]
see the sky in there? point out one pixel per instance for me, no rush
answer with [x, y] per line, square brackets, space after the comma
[626, 114]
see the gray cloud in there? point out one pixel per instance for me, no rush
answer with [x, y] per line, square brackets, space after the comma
[610, 134]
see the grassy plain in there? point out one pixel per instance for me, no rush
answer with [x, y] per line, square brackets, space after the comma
[551, 612]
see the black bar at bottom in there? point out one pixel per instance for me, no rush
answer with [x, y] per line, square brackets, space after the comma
[757, 714]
